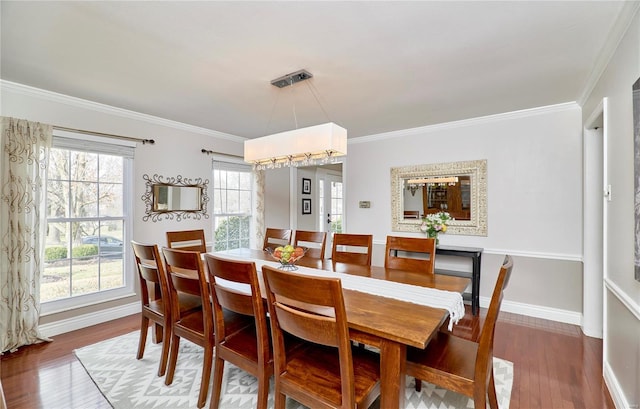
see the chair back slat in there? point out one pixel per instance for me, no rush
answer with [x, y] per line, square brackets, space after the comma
[150, 271]
[188, 240]
[307, 307]
[398, 254]
[314, 240]
[186, 275]
[276, 237]
[311, 327]
[352, 248]
[235, 287]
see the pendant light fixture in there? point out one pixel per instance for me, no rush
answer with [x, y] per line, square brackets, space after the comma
[313, 145]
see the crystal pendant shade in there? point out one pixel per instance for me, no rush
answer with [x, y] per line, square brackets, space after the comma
[313, 145]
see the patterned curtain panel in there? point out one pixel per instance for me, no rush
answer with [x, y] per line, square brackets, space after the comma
[258, 177]
[25, 149]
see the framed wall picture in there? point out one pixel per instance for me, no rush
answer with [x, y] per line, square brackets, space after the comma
[306, 206]
[306, 186]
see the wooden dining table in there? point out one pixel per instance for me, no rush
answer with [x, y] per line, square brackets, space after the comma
[388, 324]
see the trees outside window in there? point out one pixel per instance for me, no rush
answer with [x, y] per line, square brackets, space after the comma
[232, 207]
[84, 251]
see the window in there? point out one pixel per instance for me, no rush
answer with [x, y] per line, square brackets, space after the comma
[232, 206]
[88, 185]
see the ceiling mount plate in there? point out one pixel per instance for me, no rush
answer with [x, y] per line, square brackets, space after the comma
[291, 79]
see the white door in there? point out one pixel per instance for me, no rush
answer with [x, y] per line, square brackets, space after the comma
[330, 199]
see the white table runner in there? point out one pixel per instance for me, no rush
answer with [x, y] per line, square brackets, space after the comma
[430, 297]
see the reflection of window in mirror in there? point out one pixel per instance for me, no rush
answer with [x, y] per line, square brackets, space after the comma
[171, 198]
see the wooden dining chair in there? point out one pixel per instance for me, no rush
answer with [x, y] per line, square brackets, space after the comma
[235, 287]
[407, 245]
[190, 240]
[343, 242]
[186, 276]
[461, 365]
[326, 372]
[314, 240]
[154, 299]
[276, 237]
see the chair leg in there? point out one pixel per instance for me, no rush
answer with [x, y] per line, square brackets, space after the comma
[166, 342]
[206, 376]
[173, 358]
[493, 397]
[479, 397]
[218, 372]
[144, 328]
[418, 384]
[280, 400]
[263, 389]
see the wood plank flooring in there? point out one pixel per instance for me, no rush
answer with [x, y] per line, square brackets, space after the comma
[555, 365]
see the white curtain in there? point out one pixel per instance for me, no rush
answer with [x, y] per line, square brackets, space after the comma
[25, 150]
[258, 177]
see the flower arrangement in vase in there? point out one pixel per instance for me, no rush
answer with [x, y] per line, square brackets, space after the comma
[435, 223]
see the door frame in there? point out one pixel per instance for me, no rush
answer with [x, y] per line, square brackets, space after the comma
[596, 195]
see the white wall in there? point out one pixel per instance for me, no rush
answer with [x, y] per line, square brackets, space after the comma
[534, 172]
[306, 221]
[277, 198]
[622, 291]
[176, 152]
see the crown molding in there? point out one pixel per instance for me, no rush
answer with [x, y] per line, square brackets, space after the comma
[466, 122]
[619, 29]
[111, 110]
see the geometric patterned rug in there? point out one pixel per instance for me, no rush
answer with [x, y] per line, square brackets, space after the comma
[130, 383]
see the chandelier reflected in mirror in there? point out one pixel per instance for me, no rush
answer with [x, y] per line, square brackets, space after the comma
[313, 145]
[414, 184]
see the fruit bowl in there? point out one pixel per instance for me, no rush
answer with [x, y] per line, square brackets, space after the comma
[287, 256]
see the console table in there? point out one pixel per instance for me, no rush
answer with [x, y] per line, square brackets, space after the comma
[475, 253]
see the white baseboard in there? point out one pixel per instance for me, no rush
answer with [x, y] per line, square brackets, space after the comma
[537, 311]
[617, 395]
[87, 320]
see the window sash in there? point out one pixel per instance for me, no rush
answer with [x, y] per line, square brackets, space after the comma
[227, 164]
[107, 147]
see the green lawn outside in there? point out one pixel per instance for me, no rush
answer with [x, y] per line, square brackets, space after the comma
[55, 280]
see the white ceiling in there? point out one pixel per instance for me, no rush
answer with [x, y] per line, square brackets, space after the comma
[377, 66]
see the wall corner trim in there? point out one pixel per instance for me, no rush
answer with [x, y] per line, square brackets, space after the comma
[620, 28]
[615, 390]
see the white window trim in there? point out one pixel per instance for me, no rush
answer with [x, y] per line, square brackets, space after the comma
[75, 302]
[233, 163]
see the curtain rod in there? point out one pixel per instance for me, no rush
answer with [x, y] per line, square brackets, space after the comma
[108, 135]
[211, 152]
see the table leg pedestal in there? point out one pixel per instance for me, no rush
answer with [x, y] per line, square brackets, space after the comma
[393, 357]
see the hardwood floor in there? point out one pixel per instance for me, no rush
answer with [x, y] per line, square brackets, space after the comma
[555, 365]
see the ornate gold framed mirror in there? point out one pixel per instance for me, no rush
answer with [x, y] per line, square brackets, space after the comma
[459, 188]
